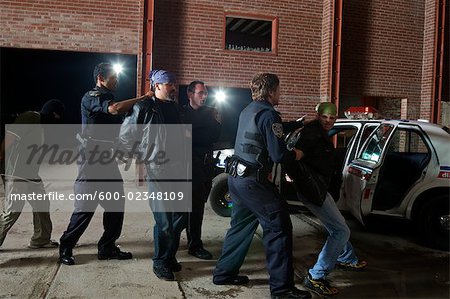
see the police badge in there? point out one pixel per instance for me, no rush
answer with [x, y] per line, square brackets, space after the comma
[277, 129]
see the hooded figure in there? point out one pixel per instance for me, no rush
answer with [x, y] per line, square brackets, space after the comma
[52, 112]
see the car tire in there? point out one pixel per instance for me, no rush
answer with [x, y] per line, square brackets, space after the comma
[431, 231]
[219, 197]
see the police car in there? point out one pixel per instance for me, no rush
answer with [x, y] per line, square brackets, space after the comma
[395, 168]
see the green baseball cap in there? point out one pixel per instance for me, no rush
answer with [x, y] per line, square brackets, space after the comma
[326, 108]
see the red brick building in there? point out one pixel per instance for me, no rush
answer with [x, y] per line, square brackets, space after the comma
[388, 50]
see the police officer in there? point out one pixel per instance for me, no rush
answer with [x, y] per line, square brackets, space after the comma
[205, 131]
[256, 201]
[98, 108]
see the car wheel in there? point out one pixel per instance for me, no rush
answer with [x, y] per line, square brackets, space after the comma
[219, 197]
[433, 223]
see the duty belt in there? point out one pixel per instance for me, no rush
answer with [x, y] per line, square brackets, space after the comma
[235, 167]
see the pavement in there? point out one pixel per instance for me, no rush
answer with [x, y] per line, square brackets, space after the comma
[35, 273]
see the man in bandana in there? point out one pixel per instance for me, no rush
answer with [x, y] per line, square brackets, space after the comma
[22, 177]
[258, 147]
[154, 114]
[317, 154]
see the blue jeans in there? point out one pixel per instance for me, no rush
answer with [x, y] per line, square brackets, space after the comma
[166, 232]
[166, 235]
[337, 248]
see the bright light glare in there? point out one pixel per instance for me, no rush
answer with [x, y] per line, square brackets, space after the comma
[220, 96]
[118, 68]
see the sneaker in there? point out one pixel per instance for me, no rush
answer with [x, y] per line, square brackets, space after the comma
[361, 265]
[164, 273]
[50, 244]
[319, 286]
[292, 293]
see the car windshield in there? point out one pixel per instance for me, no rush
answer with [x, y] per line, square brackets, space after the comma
[372, 151]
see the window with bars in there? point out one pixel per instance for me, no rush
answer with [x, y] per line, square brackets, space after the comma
[250, 33]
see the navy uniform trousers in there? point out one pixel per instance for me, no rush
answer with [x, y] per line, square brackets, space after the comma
[253, 204]
[201, 186]
[84, 209]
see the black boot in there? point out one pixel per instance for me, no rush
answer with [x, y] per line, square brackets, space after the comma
[66, 256]
[114, 254]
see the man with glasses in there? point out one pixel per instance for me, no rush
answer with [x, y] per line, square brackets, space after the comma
[205, 131]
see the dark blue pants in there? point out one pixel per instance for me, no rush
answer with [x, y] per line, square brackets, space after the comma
[201, 186]
[253, 204]
[84, 211]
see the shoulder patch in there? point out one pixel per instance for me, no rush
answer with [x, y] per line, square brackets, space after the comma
[277, 129]
[94, 93]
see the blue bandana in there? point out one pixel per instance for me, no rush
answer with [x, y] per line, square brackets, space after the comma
[161, 76]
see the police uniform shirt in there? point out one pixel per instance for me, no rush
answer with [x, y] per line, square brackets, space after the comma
[270, 125]
[205, 128]
[94, 110]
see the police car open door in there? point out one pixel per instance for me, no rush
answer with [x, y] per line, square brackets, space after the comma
[360, 182]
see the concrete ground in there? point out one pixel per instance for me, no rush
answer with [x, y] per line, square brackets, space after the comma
[28, 273]
[35, 273]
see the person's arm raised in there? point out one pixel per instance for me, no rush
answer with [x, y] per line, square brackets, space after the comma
[124, 106]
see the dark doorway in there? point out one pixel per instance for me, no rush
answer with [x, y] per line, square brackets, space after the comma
[29, 77]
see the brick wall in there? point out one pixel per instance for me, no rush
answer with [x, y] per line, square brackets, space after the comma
[113, 26]
[387, 46]
[428, 59]
[327, 54]
[382, 47]
[188, 41]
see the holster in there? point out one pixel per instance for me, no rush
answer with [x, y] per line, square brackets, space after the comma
[236, 167]
[262, 173]
[88, 144]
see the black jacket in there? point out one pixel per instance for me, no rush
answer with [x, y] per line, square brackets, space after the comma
[205, 128]
[313, 173]
[146, 133]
